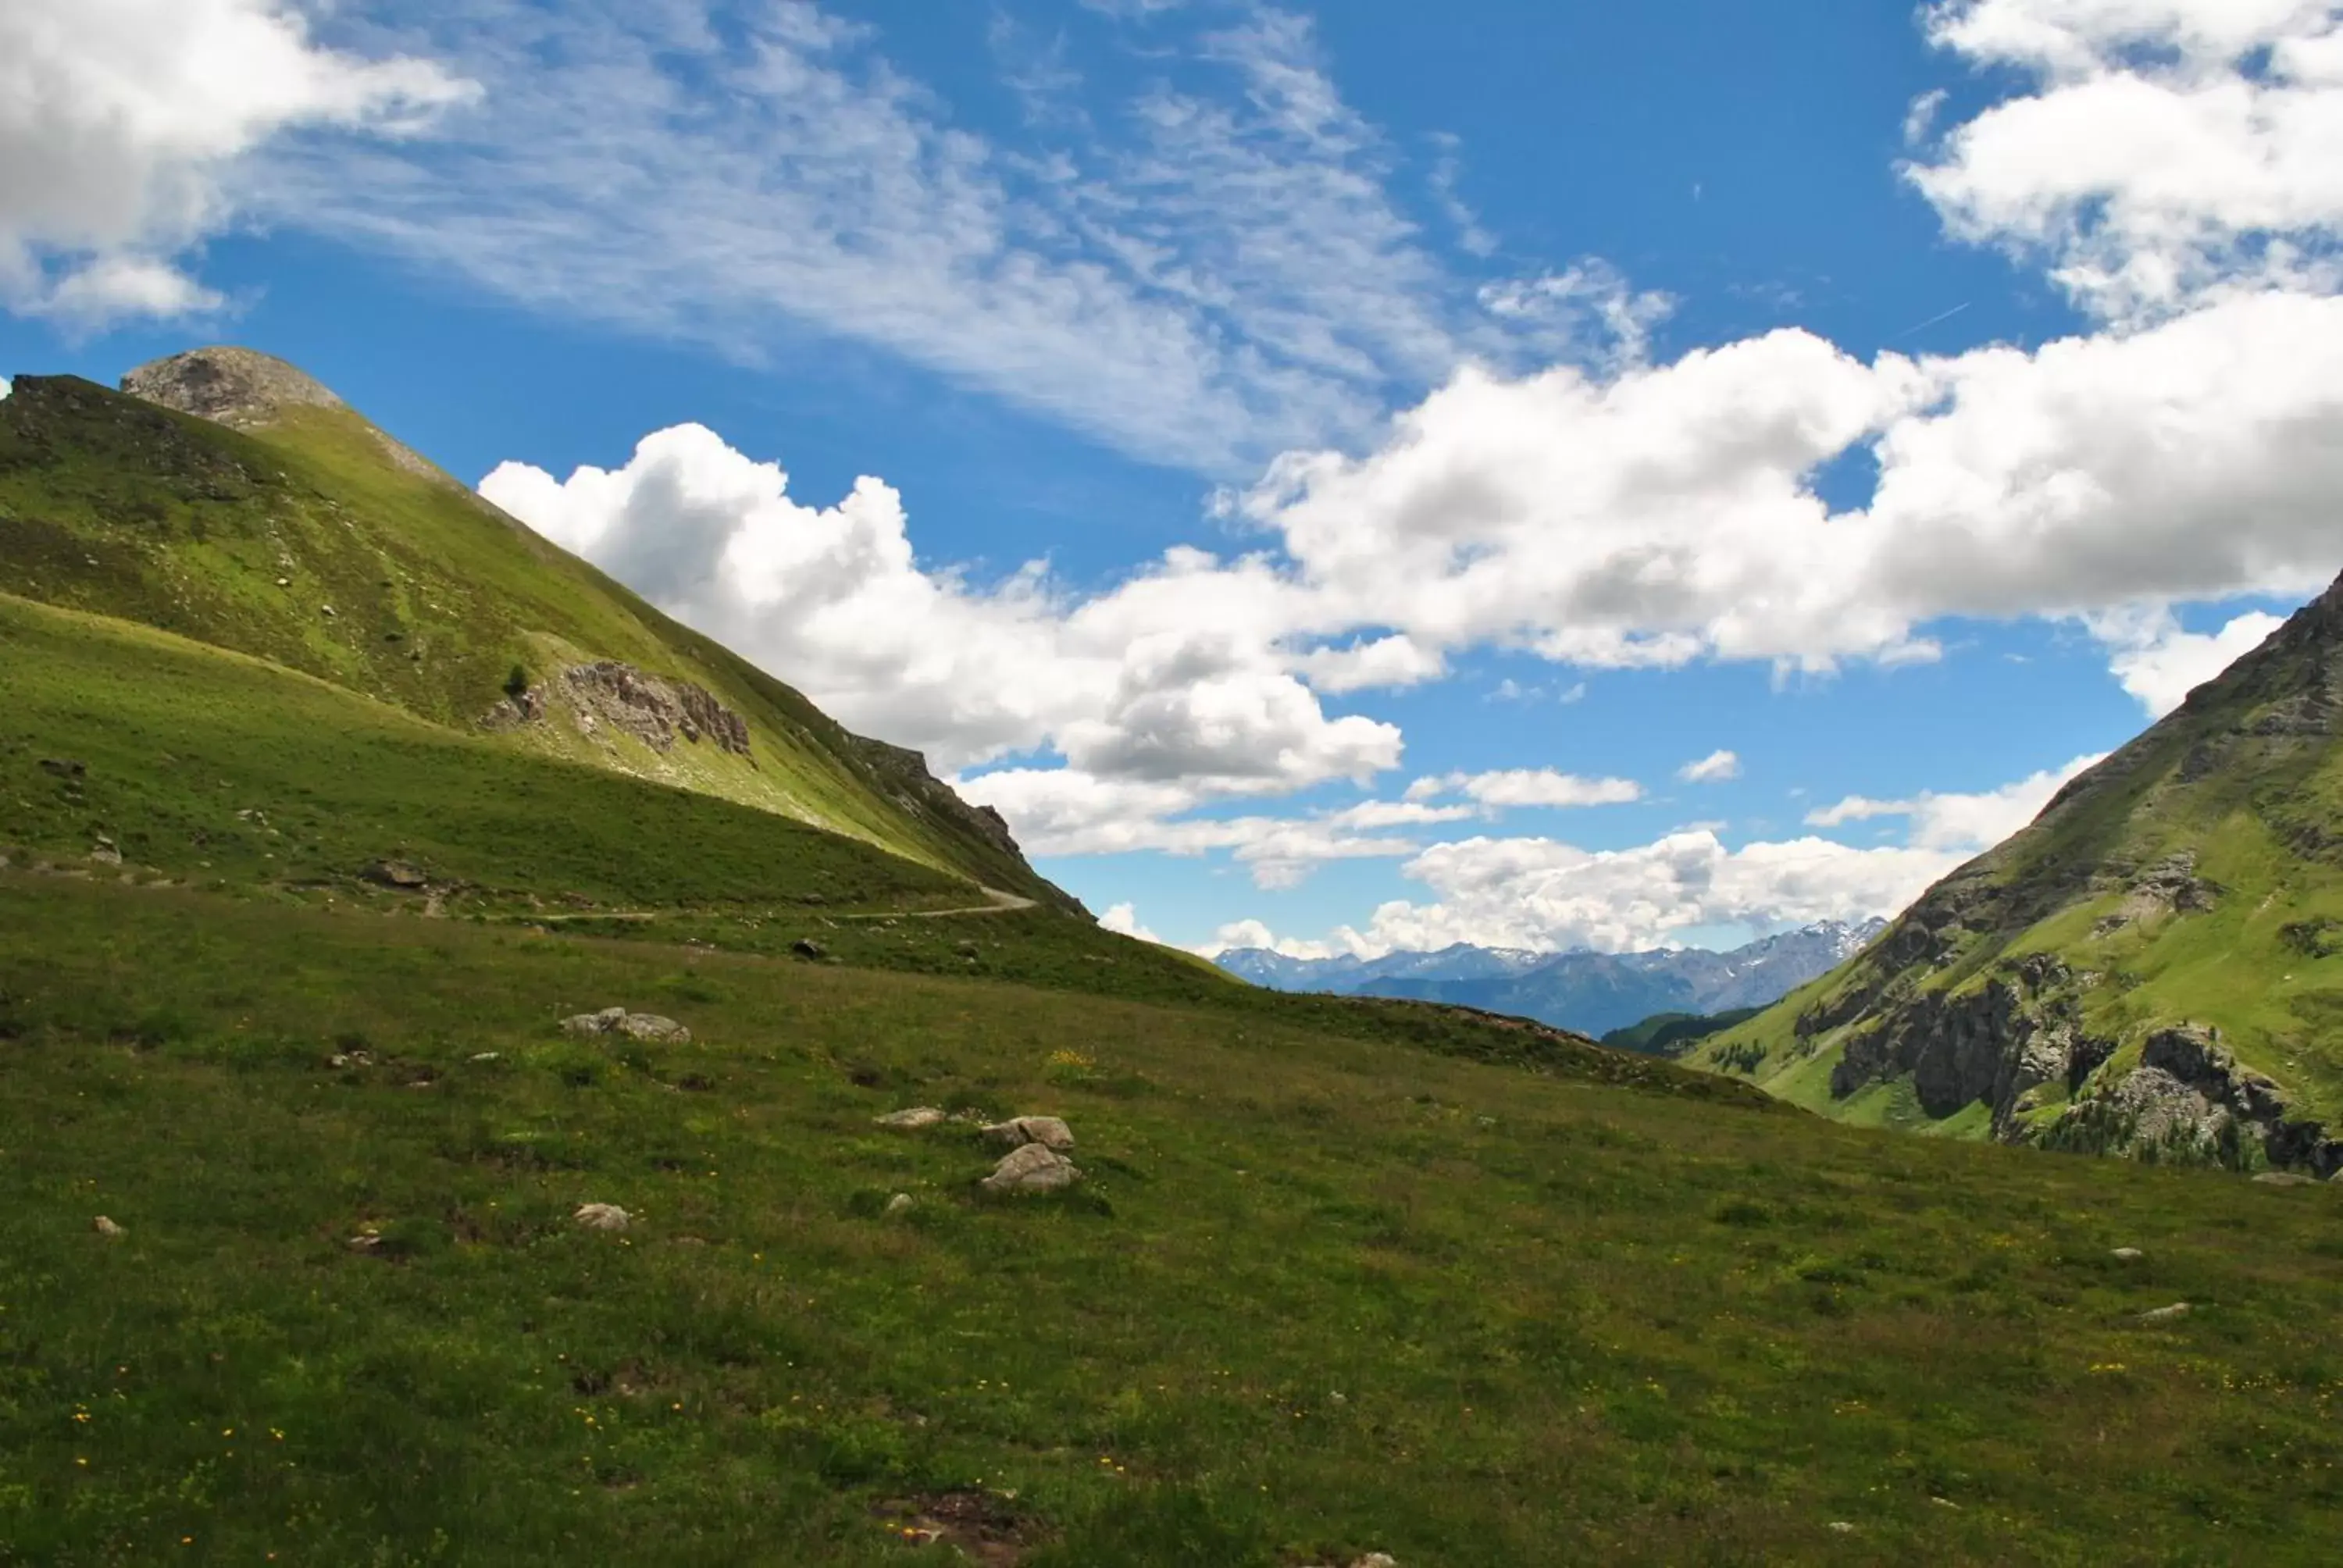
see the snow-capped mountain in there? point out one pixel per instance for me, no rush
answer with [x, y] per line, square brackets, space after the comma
[1590, 991]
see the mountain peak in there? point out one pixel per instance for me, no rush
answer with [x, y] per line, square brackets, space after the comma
[239, 388]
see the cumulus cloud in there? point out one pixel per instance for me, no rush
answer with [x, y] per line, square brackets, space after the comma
[1714, 768]
[1123, 920]
[2160, 664]
[123, 128]
[1952, 822]
[2169, 146]
[1544, 894]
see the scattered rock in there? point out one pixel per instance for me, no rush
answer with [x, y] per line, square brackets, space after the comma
[486, 1055]
[1043, 1129]
[602, 1217]
[919, 1116]
[643, 1026]
[1840, 1527]
[2166, 1314]
[1377, 1560]
[105, 1227]
[899, 1203]
[1031, 1167]
[2286, 1179]
[395, 874]
[104, 853]
[806, 947]
[327, 610]
[2128, 1254]
[368, 1240]
[350, 1059]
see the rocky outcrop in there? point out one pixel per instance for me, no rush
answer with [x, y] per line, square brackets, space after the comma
[653, 708]
[656, 709]
[2190, 1100]
[1996, 1043]
[903, 775]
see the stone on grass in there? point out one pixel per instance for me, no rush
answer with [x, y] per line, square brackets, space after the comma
[899, 1203]
[1031, 1167]
[914, 1119]
[602, 1217]
[2166, 1314]
[395, 874]
[1047, 1131]
[2126, 1254]
[806, 947]
[2286, 1179]
[1377, 1560]
[105, 1227]
[643, 1026]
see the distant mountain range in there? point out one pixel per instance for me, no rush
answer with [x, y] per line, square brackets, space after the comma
[1589, 992]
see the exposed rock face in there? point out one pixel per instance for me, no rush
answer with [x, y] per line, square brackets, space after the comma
[653, 708]
[234, 387]
[904, 774]
[1996, 1044]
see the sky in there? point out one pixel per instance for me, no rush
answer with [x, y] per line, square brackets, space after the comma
[1525, 472]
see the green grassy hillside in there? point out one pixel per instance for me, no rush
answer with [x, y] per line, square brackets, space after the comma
[308, 538]
[2154, 967]
[1320, 1295]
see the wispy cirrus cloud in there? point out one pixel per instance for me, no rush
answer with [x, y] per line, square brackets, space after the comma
[1201, 272]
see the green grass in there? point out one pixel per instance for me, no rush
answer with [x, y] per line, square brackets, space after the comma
[1563, 1320]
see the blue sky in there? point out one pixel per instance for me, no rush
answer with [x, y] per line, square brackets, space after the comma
[1373, 476]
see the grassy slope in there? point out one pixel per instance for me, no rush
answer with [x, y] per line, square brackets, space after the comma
[112, 505]
[1322, 1295]
[2256, 809]
[227, 772]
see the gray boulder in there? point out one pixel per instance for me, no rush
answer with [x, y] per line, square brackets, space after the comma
[919, 1116]
[1031, 1167]
[643, 1026]
[602, 1217]
[1046, 1131]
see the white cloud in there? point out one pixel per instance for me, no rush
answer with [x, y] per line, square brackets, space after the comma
[123, 125]
[1123, 920]
[1171, 680]
[1712, 769]
[1517, 786]
[1963, 823]
[2169, 146]
[1542, 894]
[2160, 664]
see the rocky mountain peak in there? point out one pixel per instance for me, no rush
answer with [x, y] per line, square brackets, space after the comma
[239, 388]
